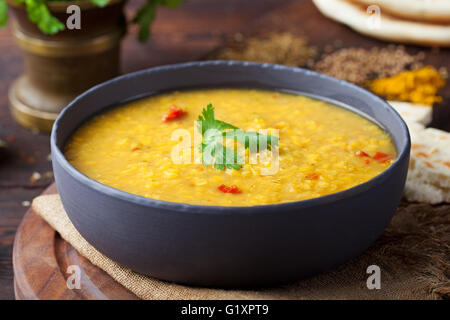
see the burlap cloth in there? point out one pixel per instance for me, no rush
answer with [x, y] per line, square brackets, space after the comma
[413, 254]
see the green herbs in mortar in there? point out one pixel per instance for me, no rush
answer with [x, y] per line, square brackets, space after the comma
[39, 14]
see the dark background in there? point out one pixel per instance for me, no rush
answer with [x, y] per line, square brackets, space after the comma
[187, 33]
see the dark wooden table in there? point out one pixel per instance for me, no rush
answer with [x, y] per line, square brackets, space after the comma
[187, 33]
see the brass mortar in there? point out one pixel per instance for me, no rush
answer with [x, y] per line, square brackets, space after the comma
[60, 67]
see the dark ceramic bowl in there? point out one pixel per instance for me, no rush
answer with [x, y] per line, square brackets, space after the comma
[229, 246]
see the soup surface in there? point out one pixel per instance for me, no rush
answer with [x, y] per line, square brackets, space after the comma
[322, 149]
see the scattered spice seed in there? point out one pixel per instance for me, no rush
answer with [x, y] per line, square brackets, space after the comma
[444, 72]
[47, 175]
[31, 159]
[359, 65]
[26, 203]
[35, 177]
[279, 48]
[11, 138]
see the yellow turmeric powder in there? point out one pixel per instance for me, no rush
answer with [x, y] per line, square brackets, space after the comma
[418, 86]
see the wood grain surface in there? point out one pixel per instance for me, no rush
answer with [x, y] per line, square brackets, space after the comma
[188, 33]
[41, 260]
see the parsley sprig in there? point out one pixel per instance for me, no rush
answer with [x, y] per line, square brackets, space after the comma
[215, 131]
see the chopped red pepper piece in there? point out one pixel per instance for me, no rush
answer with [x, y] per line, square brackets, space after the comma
[231, 189]
[361, 153]
[382, 157]
[31, 159]
[366, 161]
[312, 176]
[174, 113]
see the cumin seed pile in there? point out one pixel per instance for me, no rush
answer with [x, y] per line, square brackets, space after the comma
[279, 48]
[358, 65]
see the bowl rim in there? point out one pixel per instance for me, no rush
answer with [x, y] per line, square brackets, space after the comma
[58, 156]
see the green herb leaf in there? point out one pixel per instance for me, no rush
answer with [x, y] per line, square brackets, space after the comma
[256, 141]
[39, 14]
[215, 131]
[3, 13]
[172, 3]
[146, 15]
[100, 3]
[144, 18]
[208, 121]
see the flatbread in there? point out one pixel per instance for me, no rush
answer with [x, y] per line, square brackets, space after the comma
[430, 157]
[429, 169]
[434, 11]
[411, 112]
[389, 28]
[419, 191]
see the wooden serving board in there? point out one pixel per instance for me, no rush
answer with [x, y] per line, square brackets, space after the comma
[40, 261]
